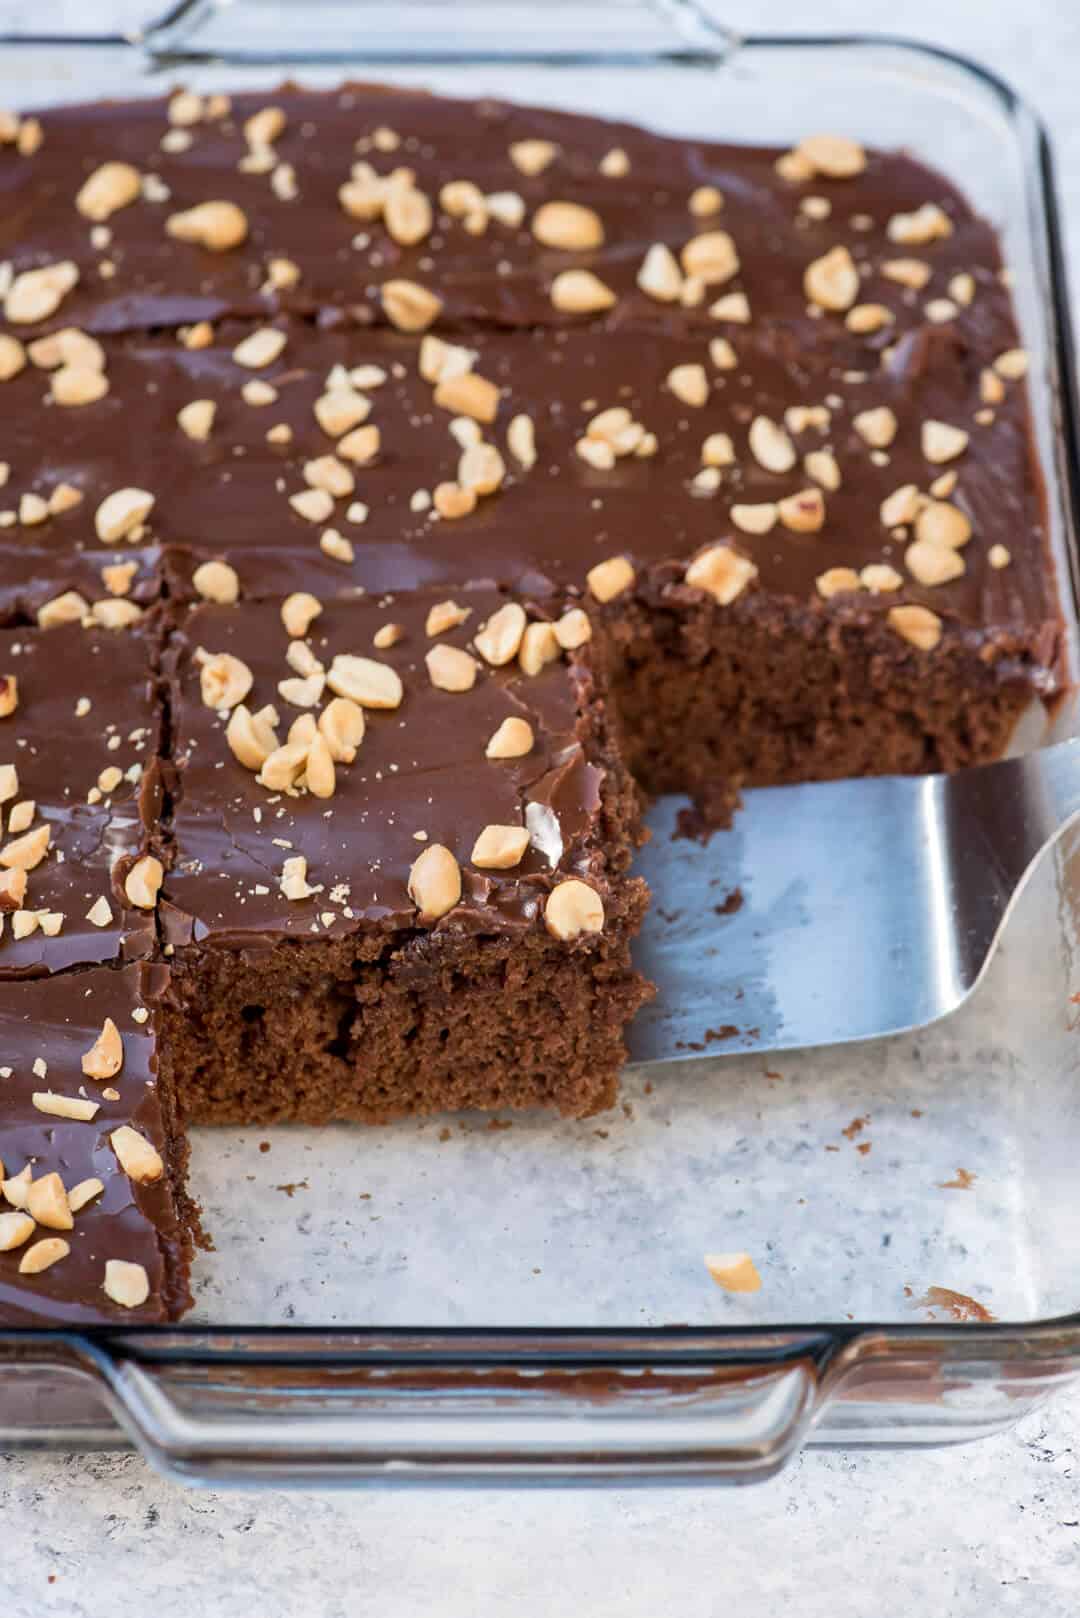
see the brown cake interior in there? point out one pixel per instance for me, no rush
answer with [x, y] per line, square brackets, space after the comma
[762, 697]
[482, 1022]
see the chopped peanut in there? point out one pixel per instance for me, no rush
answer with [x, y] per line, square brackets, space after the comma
[499, 639]
[217, 226]
[568, 226]
[573, 908]
[105, 1057]
[513, 739]
[126, 1283]
[435, 882]
[499, 847]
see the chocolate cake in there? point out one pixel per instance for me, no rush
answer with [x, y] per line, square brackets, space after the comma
[94, 1223]
[483, 754]
[79, 796]
[392, 487]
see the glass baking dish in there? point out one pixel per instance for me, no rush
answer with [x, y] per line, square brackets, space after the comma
[463, 1299]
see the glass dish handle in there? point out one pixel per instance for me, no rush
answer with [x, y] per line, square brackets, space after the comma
[305, 1406]
[250, 31]
[302, 1406]
[292, 1423]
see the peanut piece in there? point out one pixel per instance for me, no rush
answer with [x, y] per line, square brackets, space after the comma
[568, 227]
[15, 1229]
[689, 384]
[217, 581]
[833, 155]
[365, 681]
[126, 1283]
[43, 1254]
[74, 1108]
[579, 292]
[224, 680]
[260, 348]
[532, 157]
[46, 1201]
[139, 1160]
[722, 573]
[573, 629]
[143, 882]
[942, 442]
[450, 669]
[710, 258]
[26, 852]
[451, 501]
[341, 724]
[609, 579]
[770, 445]
[409, 306]
[499, 639]
[573, 908]
[121, 513]
[319, 771]
[299, 611]
[832, 281]
[111, 187]
[105, 1057]
[499, 847]
[932, 564]
[919, 626]
[735, 1272]
[251, 737]
[660, 276]
[802, 513]
[37, 294]
[468, 395]
[435, 882]
[217, 226]
[513, 739]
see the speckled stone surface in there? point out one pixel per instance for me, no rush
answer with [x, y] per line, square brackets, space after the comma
[993, 1528]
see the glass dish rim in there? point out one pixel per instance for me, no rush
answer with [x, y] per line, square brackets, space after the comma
[1054, 1343]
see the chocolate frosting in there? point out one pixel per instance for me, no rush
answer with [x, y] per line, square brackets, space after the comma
[144, 278]
[421, 768]
[228, 496]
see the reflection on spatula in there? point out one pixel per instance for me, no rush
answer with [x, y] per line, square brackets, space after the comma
[839, 910]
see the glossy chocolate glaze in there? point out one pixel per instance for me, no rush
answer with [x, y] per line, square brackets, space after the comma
[87, 703]
[421, 768]
[56, 1020]
[228, 496]
[50, 565]
[143, 278]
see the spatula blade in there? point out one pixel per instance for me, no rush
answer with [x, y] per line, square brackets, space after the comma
[845, 929]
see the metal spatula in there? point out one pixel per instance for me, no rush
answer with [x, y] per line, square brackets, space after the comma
[839, 910]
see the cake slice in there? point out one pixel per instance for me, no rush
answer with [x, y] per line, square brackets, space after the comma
[399, 840]
[79, 795]
[94, 1221]
[94, 1224]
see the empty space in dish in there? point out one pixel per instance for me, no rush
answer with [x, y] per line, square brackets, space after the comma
[856, 1178]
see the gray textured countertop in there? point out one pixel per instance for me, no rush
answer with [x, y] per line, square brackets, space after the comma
[993, 1528]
